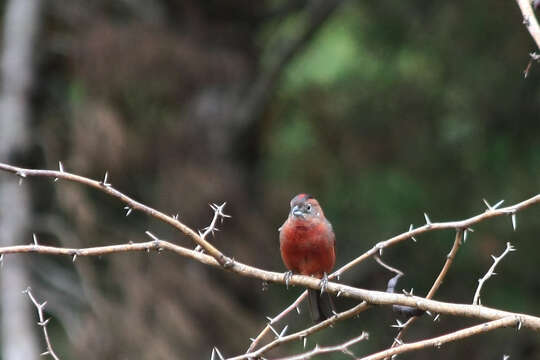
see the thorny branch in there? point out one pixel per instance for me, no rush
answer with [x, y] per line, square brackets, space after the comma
[43, 323]
[440, 340]
[449, 260]
[490, 273]
[530, 20]
[217, 259]
[344, 348]
[132, 204]
[302, 335]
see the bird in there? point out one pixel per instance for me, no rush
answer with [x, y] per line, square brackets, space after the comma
[308, 247]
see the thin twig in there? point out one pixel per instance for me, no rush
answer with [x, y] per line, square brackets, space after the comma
[461, 224]
[344, 348]
[449, 260]
[43, 323]
[490, 273]
[304, 333]
[275, 319]
[440, 340]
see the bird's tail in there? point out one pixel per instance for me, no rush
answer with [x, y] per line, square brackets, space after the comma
[321, 306]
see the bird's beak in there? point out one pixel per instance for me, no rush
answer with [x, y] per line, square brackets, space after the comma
[297, 212]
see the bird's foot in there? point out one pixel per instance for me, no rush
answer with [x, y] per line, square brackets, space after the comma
[287, 277]
[324, 283]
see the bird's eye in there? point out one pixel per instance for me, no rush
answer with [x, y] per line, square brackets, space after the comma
[308, 207]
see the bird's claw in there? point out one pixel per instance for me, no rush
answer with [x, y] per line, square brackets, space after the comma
[324, 283]
[287, 278]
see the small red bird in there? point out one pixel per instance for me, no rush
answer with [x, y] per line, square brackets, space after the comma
[307, 244]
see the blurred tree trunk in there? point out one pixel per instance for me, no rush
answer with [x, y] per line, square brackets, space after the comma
[19, 334]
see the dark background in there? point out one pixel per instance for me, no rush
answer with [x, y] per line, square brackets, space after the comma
[383, 111]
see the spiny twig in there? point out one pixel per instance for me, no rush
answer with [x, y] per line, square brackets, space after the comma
[43, 323]
[490, 273]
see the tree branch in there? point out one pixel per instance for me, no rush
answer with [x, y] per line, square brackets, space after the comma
[133, 204]
[370, 296]
[449, 260]
[43, 323]
[218, 260]
[490, 273]
[304, 333]
[530, 20]
[344, 348]
[440, 340]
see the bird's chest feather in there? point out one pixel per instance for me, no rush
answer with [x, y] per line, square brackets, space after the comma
[307, 248]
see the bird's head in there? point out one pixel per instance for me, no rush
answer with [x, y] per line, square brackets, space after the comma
[304, 206]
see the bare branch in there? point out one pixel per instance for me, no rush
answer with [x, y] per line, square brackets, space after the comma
[304, 333]
[330, 349]
[43, 323]
[462, 224]
[440, 340]
[370, 296]
[133, 204]
[280, 316]
[449, 260]
[490, 273]
[530, 20]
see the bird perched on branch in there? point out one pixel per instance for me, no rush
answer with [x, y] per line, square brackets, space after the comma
[307, 244]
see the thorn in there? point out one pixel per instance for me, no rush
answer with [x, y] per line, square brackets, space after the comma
[219, 210]
[21, 174]
[428, 222]
[213, 356]
[411, 229]
[305, 341]
[251, 339]
[269, 319]
[436, 318]
[219, 354]
[506, 357]
[61, 168]
[408, 293]
[282, 333]
[74, 257]
[338, 293]
[298, 310]
[497, 204]
[514, 221]
[175, 217]
[128, 210]
[273, 330]
[519, 325]
[487, 204]
[105, 178]
[41, 306]
[45, 353]
[493, 257]
[151, 235]
[20, 181]
[398, 324]
[398, 341]
[44, 323]
[35, 239]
